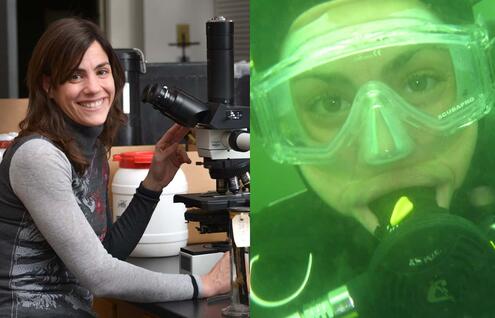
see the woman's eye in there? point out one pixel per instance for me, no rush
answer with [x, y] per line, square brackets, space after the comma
[75, 77]
[419, 83]
[329, 104]
[103, 72]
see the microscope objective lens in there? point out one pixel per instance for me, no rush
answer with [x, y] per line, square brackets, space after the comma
[246, 180]
[234, 185]
[221, 186]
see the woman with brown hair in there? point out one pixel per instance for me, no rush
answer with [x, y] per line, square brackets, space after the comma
[58, 246]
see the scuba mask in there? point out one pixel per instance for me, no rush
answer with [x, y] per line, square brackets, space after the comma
[372, 87]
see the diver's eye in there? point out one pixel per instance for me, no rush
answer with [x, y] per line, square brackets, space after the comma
[418, 83]
[328, 104]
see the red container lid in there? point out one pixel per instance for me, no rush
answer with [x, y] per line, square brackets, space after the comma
[7, 139]
[134, 159]
[5, 143]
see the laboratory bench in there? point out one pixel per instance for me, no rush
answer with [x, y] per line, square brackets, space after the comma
[208, 308]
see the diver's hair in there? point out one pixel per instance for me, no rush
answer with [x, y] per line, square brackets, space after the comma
[56, 56]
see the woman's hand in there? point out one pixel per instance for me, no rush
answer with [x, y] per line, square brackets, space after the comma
[167, 159]
[217, 281]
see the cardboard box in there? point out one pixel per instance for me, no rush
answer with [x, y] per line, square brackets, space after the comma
[12, 112]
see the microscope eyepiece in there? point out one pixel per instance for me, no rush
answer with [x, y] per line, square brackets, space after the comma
[176, 104]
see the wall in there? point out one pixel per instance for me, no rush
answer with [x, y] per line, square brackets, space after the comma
[124, 23]
[150, 25]
[12, 110]
[160, 20]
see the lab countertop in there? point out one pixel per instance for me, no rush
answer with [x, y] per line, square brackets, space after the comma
[211, 308]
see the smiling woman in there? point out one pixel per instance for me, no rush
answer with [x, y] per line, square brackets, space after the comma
[89, 93]
[58, 246]
[57, 90]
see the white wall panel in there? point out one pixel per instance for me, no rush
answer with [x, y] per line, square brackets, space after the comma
[160, 18]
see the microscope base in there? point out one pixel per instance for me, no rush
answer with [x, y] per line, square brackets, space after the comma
[199, 259]
[236, 310]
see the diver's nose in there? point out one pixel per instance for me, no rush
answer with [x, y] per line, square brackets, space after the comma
[384, 138]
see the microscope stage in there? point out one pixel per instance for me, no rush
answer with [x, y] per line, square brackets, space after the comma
[213, 201]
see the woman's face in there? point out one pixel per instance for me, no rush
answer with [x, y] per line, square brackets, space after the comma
[422, 77]
[89, 93]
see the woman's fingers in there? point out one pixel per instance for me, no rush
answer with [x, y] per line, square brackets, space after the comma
[173, 135]
[182, 155]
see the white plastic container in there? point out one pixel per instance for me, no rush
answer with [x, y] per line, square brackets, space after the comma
[167, 231]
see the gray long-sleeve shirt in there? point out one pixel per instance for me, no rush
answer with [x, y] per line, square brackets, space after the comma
[53, 260]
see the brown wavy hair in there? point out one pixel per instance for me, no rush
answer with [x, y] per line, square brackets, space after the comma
[57, 55]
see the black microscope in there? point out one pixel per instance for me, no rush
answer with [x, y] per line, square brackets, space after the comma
[222, 140]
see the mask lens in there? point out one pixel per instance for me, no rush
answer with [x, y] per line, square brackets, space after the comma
[424, 77]
[421, 76]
